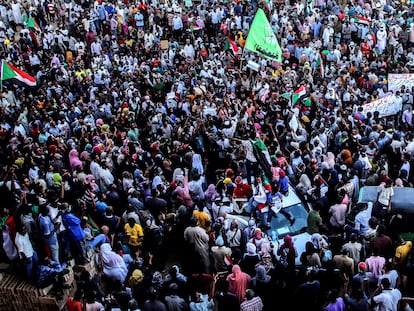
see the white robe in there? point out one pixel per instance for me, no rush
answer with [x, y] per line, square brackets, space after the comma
[17, 15]
[381, 40]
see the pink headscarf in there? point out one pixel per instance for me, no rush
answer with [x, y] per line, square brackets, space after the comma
[239, 282]
[399, 183]
[74, 160]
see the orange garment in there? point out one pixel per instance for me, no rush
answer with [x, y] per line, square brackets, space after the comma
[69, 59]
[347, 157]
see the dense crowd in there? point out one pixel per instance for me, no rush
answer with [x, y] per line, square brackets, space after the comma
[149, 124]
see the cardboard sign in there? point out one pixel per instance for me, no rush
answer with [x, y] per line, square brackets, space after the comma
[164, 44]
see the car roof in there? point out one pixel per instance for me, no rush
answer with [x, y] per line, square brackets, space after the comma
[289, 200]
[292, 198]
[401, 202]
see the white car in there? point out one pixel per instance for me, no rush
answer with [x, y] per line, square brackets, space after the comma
[280, 226]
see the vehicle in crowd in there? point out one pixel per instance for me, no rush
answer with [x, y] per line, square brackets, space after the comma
[280, 226]
[402, 203]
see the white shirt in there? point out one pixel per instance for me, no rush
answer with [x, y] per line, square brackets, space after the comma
[387, 300]
[385, 194]
[249, 151]
[24, 245]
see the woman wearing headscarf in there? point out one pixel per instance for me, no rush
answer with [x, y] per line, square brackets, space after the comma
[399, 183]
[263, 286]
[182, 192]
[304, 184]
[333, 182]
[195, 187]
[330, 159]
[210, 195]
[157, 282]
[113, 265]
[178, 175]
[238, 282]
[197, 163]
[287, 253]
[257, 238]
[320, 242]
[346, 157]
[310, 257]
[250, 259]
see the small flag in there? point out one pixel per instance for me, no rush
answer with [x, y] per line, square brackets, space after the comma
[322, 67]
[286, 95]
[307, 102]
[301, 91]
[362, 20]
[230, 44]
[32, 24]
[319, 65]
[371, 37]
[262, 40]
[195, 28]
[9, 72]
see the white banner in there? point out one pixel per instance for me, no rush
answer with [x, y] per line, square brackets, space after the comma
[386, 106]
[396, 81]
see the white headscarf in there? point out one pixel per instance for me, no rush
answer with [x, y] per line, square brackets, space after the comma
[111, 259]
[197, 163]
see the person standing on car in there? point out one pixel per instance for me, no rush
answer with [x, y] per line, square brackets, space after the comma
[382, 205]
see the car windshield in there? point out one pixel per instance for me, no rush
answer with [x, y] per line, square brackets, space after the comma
[281, 225]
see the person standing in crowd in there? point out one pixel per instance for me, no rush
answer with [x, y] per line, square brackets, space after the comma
[26, 251]
[76, 234]
[386, 297]
[252, 302]
[48, 230]
[383, 202]
[197, 238]
[239, 281]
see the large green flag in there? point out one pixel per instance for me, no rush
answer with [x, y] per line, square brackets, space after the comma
[261, 38]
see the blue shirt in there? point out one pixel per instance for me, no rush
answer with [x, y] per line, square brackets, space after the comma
[283, 184]
[46, 227]
[317, 29]
[139, 19]
[274, 198]
[72, 223]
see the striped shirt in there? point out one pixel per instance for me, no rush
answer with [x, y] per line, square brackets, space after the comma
[254, 304]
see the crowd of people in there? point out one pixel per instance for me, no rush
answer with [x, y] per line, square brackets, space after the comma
[150, 124]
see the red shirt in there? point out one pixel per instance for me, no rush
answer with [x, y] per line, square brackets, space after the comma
[243, 191]
[365, 48]
[73, 305]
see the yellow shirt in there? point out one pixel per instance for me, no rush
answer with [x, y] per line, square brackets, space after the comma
[401, 254]
[135, 234]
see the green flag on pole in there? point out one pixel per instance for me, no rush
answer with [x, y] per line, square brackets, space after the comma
[261, 38]
[32, 24]
[286, 95]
